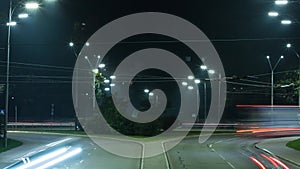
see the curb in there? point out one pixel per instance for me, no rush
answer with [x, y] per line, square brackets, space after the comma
[282, 158]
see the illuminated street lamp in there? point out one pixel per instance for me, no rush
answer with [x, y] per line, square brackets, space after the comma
[281, 2]
[112, 77]
[272, 76]
[23, 16]
[31, 5]
[10, 23]
[191, 77]
[211, 71]
[203, 67]
[190, 87]
[101, 66]
[273, 14]
[71, 44]
[146, 90]
[197, 81]
[286, 22]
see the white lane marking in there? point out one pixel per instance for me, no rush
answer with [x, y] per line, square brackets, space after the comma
[220, 155]
[165, 155]
[143, 155]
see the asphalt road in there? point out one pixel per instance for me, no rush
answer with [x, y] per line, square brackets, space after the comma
[221, 152]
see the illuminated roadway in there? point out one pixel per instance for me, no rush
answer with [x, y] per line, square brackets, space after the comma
[221, 151]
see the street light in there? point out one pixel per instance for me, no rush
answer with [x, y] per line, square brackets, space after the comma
[146, 90]
[273, 14]
[191, 77]
[190, 87]
[197, 81]
[71, 44]
[101, 66]
[281, 2]
[286, 22]
[112, 77]
[272, 76]
[31, 5]
[203, 67]
[23, 15]
[211, 72]
[11, 23]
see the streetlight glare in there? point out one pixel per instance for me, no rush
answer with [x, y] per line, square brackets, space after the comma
[211, 72]
[113, 77]
[71, 44]
[151, 94]
[268, 57]
[184, 83]
[273, 14]
[203, 67]
[102, 65]
[95, 71]
[31, 5]
[197, 81]
[281, 2]
[12, 23]
[146, 90]
[23, 15]
[286, 22]
[191, 77]
[87, 44]
[281, 57]
[288, 45]
[190, 87]
[106, 81]
[107, 89]
[112, 85]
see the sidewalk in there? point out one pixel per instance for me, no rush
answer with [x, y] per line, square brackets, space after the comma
[278, 147]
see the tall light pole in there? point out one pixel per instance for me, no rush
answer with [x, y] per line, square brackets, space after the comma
[272, 76]
[289, 46]
[211, 72]
[9, 24]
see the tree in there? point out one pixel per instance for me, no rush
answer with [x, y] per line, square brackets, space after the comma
[120, 123]
[288, 87]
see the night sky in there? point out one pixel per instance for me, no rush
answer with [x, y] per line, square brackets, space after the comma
[241, 31]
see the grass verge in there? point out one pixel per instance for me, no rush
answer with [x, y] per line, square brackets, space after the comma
[10, 145]
[294, 144]
[58, 131]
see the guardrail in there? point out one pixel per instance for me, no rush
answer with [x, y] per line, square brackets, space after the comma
[42, 126]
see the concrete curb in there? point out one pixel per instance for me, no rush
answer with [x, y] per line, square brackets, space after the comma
[279, 156]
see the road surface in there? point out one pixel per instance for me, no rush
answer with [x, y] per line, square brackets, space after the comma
[220, 151]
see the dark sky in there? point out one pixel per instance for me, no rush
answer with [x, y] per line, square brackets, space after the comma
[241, 31]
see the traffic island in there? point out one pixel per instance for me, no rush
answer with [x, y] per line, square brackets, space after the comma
[295, 144]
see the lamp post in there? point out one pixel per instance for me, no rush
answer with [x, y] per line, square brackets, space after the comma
[210, 71]
[9, 24]
[289, 46]
[272, 76]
